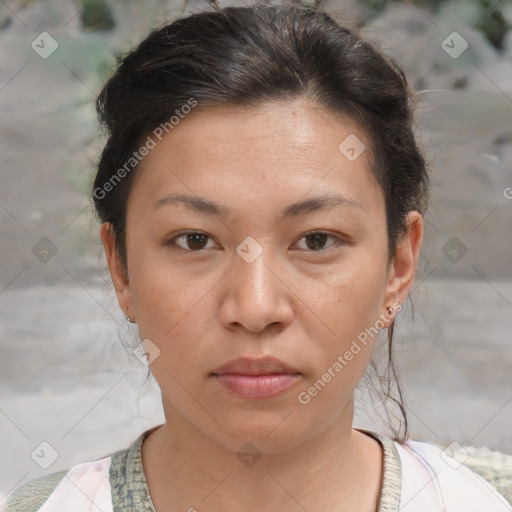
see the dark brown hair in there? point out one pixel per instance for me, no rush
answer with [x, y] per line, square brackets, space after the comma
[244, 56]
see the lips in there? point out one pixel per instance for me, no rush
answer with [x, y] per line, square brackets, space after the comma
[263, 366]
[252, 379]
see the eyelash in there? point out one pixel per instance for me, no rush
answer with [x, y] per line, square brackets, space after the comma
[338, 241]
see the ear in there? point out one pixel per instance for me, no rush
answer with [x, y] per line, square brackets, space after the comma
[117, 272]
[403, 267]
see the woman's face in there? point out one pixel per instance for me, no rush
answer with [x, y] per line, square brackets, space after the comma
[254, 280]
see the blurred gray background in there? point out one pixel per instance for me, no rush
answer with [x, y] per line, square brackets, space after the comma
[66, 378]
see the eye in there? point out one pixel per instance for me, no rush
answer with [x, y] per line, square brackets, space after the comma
[193, 241]
[317, 239]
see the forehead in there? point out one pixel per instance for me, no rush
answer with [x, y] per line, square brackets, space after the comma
[274, 154]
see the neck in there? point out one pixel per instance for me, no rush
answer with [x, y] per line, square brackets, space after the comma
[337, 467]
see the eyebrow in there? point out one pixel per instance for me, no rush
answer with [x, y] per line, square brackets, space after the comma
[208, 207]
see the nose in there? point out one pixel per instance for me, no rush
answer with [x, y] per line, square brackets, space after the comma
[255, 295]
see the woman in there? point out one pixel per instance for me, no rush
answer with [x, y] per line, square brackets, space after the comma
[262, 197]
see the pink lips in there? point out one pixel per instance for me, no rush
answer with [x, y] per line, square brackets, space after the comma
[256, 378]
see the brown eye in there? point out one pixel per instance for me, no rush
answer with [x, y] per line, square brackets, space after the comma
[316, 241]
[192, 241]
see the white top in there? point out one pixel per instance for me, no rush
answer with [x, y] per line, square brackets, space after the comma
[431, 482]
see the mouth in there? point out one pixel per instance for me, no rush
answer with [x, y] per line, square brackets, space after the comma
[256, 378]
[262, 366]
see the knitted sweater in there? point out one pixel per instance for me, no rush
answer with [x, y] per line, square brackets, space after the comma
[130, 491]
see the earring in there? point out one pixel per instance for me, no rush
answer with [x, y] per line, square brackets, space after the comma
[129, 319]
[390, 310]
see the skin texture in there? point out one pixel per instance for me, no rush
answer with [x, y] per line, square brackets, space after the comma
[304, 303]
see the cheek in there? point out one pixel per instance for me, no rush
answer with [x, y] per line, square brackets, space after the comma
[161, 295]
[349, 309]
[170, 307]
[351, 293]
[166, 306]
[340, 356]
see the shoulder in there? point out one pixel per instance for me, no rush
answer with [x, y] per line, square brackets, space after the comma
[109, 477]
[464, 473]
[65, 490]
[31, 496]
[493, 466]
